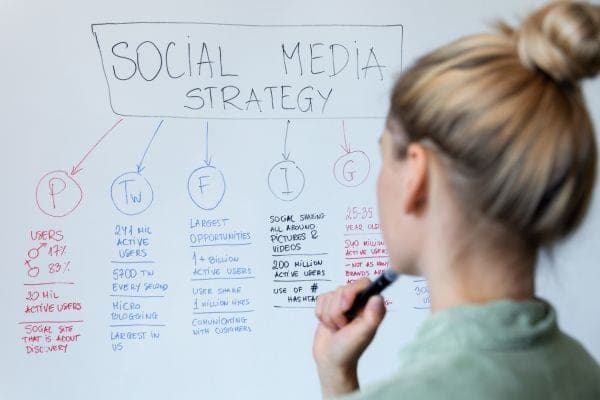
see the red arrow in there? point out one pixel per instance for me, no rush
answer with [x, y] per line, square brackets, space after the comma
[346, 145]
[77, 168]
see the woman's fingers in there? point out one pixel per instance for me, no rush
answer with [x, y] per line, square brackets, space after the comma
[339, 343]
[331, 306]
[372, 315]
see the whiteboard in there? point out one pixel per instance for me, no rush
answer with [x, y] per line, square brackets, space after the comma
[182, 180]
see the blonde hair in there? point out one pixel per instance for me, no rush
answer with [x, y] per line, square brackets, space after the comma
[506, 108]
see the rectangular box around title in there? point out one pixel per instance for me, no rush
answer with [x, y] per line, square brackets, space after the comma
[205, 70]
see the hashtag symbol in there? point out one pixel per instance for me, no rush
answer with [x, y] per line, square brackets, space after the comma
[314, 287]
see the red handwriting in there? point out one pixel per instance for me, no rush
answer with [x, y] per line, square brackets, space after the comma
[46, 296]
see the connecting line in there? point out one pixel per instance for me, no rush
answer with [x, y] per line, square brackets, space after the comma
[346, 146]
[207, 159]
[77, 168]
[140, 166]
[285, 154]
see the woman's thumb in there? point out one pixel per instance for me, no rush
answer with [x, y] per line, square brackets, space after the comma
[371, 316]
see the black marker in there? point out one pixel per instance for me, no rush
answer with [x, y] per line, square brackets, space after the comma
[376, 287]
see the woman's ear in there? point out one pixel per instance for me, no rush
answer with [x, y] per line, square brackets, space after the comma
[416, 165]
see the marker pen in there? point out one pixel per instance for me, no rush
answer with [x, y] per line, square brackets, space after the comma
[376, 287]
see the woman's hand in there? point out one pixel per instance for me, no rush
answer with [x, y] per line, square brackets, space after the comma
[338, 343]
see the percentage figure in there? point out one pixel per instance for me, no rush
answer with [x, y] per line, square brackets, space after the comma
[57, 250]
[57, 267]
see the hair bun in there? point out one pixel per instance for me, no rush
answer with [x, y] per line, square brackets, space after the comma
[563, 40]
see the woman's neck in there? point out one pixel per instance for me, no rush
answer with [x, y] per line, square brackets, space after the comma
[452, 290]
[478, 273]
[467, 257]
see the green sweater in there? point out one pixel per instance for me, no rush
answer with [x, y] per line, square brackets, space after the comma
[501, 350]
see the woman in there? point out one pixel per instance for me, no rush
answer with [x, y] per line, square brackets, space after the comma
[488, 156]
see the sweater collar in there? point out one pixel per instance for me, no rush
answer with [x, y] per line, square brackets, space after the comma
[498, 325]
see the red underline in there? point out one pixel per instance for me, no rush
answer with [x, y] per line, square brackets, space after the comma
[47, 322]
[363, 258]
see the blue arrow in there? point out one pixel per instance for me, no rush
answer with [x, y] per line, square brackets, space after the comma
[140, 166]
[207, 159]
